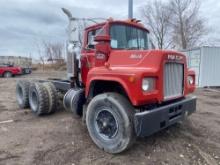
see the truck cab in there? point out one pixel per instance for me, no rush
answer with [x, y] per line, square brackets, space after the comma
[120, 52]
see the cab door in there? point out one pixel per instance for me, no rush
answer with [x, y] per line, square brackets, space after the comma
[88, 54]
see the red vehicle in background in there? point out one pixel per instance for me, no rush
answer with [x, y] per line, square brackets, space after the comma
[9, 70]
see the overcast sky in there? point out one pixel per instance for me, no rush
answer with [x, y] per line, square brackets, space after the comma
[24, 23]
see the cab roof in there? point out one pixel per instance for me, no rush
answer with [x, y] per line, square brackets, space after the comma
[132, 22]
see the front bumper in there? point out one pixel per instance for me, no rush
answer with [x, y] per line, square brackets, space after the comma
[149, 122]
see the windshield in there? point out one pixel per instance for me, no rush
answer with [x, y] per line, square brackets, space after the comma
[128, 37]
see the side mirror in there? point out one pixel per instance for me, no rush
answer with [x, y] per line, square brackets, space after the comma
[103, 44]
[102, 49]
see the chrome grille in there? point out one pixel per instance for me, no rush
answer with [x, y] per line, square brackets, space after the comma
[173, 80]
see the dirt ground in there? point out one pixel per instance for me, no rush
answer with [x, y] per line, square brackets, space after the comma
[63, 139]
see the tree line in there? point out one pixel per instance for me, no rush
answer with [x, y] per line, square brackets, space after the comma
[175, 24]
[52, 52]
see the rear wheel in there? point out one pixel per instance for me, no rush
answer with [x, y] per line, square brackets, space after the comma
[109, 120]
[52, 93]
[8, 74]
[38, 99]
[22, 92]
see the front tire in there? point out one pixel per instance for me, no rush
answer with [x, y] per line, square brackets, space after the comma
[109, 120]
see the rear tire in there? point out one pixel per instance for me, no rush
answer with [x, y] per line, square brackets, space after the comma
[8, 74]
[38, 99]
[52, 93]
[109, 120]
[22, 93]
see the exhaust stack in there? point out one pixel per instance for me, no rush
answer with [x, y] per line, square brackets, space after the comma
[73, 46]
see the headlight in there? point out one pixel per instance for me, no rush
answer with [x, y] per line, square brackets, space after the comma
[148, 84]
[190, 80]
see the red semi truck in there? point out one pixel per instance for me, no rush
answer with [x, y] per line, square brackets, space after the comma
[119, 85]
[9, 70]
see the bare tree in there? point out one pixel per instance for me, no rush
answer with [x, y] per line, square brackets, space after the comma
[58, 49]
[156, 16]
[40, 52]
[50, 51]
[53, 51]
[187, 26]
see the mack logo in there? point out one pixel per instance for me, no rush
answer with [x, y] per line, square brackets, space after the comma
[174, 57]
[136, 56]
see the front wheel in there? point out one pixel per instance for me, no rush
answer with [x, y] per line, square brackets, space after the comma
[109, 120]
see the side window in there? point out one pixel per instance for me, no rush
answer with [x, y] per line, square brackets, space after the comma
[91, 36]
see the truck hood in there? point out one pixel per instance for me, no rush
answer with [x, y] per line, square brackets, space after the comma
[143, 58]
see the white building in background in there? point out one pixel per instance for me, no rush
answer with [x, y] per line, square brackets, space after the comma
[205, 61]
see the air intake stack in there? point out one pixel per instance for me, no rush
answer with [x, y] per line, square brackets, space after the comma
[73, 46]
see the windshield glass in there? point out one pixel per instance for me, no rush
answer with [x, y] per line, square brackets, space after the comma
[128, 37]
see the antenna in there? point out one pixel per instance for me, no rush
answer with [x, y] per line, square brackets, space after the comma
[130, 9]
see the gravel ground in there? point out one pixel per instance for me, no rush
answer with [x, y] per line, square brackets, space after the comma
[63, 139]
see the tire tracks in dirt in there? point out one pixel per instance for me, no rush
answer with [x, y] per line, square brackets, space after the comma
[4, 156]
[2, 107]
[201, 145]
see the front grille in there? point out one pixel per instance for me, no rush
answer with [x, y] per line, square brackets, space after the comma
[173, 80]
